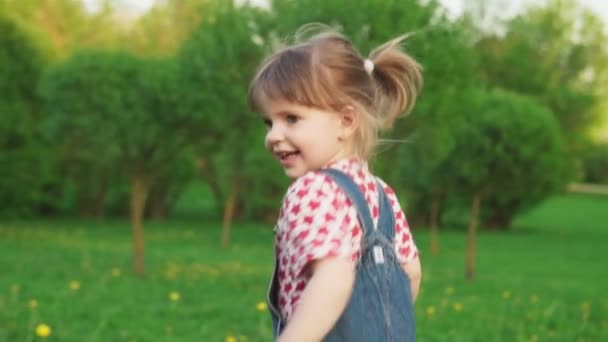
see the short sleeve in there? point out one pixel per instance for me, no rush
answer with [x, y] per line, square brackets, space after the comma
[405, 247]
[315, 221]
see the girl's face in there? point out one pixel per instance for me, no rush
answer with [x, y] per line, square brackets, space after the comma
[303, 138]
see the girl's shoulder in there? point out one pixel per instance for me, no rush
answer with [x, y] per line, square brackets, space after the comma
[388, 190]
[313, 184]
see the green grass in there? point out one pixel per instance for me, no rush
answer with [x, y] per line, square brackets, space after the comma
[544, 281]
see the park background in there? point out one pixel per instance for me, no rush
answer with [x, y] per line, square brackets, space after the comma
[137, 201]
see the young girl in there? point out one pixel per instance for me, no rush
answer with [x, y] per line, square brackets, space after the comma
[324, 105]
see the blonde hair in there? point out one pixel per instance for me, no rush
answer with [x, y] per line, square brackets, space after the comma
[327, 72]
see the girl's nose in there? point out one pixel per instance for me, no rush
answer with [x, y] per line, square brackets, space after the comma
[274, 135]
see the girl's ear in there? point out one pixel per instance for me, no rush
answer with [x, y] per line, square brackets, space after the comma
[349, 121]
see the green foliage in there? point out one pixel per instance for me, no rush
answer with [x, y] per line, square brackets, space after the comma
[215, 67]
[557, 57]
[121, 122]
[62, 27]
[508, 148]
[111, 113]
[25, 159]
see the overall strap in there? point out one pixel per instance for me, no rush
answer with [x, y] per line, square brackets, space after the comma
[351, 189]
[386, 222]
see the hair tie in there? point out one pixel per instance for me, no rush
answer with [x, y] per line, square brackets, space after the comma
[368, 64]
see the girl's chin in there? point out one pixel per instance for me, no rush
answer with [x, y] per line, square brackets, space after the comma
[295, 171]
[294, 174]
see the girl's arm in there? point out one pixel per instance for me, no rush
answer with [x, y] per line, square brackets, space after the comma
[414, 272]
[323, 300]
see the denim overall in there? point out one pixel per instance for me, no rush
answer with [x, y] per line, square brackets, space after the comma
[380, 308]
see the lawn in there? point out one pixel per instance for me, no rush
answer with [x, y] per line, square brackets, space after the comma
[544, 281]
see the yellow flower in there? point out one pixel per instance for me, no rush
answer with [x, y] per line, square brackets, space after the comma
[116, 272]
[585, 306]
[74, 285]
[174, 296]
[32, 304]
[430, 311]
[230, 339]
[533, 338]
[43, 330]
[261, 306]
[449, 290]
[458, 306]
[506, 295]
[534, 299]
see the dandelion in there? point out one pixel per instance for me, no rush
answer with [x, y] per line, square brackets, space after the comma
[534, 299]
[116, 272]
[506, 295]
[230, 339]
[585, 306]
[430, 311]
[74, 285]
[458, 306]
[261, 306]
[449, 290]
[174, 296]
[43, 330]
[32, 304]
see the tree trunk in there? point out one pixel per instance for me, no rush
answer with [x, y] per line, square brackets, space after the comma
[229, 206]
[471, 237]
[100, 197]
[138, 203]
[434, 223]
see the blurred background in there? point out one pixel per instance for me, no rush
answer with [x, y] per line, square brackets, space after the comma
[119, 115]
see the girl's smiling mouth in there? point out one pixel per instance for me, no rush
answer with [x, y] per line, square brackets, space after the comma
[286, 157]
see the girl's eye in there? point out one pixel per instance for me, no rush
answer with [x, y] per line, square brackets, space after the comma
[267, 123]
[291, 119]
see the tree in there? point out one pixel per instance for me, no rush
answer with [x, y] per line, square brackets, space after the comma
[61, 27]
[165, 26]
[556, 53]
[121, 108]
[25, 167]
[215, 66]
[507, 149]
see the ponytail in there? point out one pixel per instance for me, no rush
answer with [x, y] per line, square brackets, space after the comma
[398, 80]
